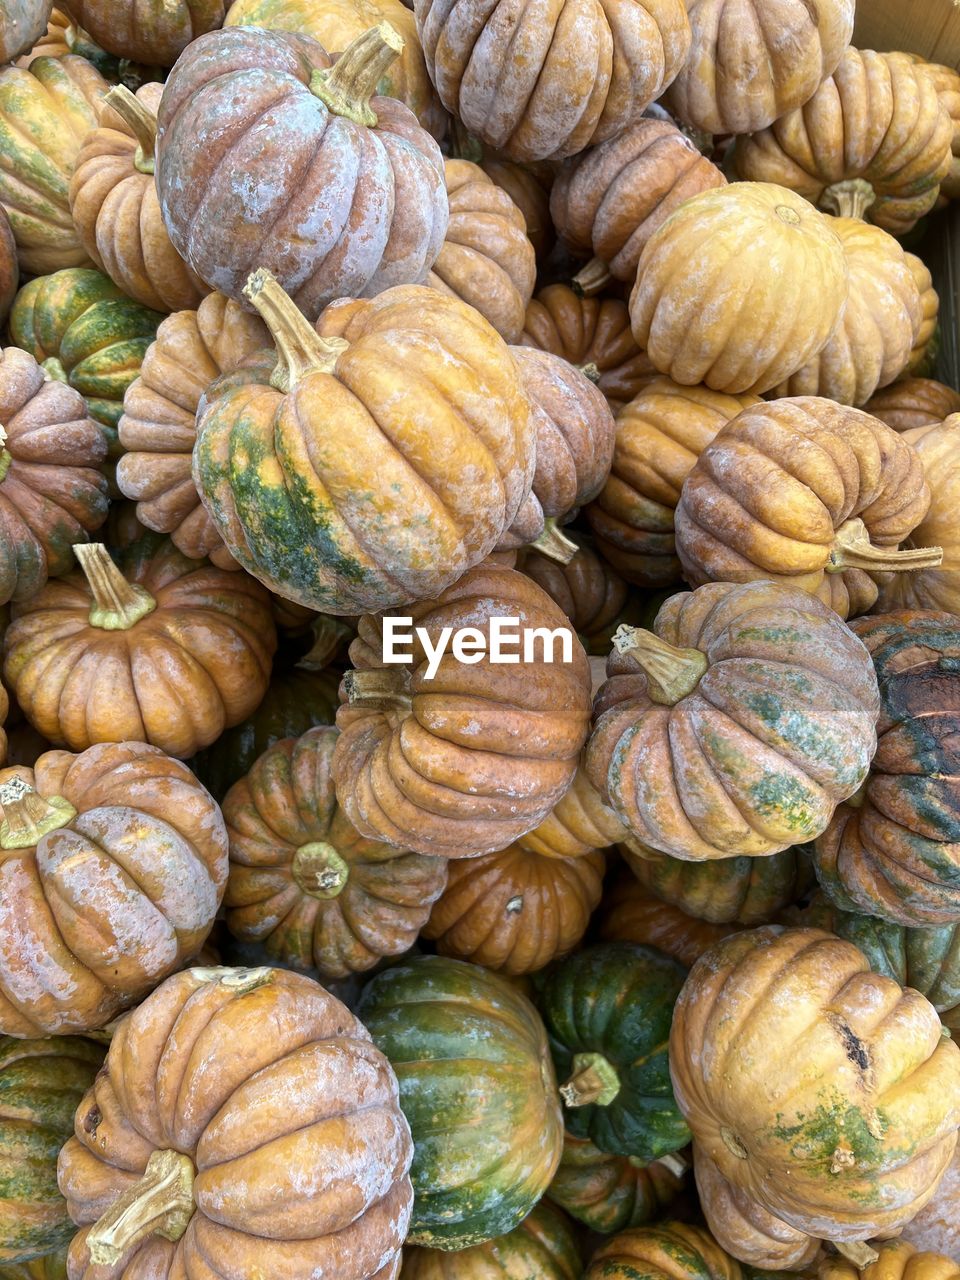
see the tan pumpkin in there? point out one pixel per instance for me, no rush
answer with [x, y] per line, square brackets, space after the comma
[158, 427]
[22, 23]
[9, 267]
[937, 1226]
[486, 257]
[142, 32]
[578, 824]
[897, 1260]
[587, 589]
[924, 352]
[660, 434]
[946, 81]
[631, 914]
[114, 205]
[914, 403]
[528, 186]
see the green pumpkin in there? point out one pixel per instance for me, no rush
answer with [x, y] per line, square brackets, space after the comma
[41, 1084]
[609, 1193]
[52, 1266]
[85, 332]
[608, 1011]
[479, 1093]
[543, 1247]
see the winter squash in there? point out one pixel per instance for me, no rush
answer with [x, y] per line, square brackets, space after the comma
[335, 23]
[667, 1251]
[114, 205]
[470, 760]
[946, 81]
[898, 1260]
[287, 201]
[45, 114]
[593, 334]
[854, 1136]
[893, 850]
[759, 757]
[749, 65]
[9, 267]
[925, 345]
[726, 891]
[534, 85]
[937, 1226]
[608, 1193]
[486, 257]
[41, 1082]
[631, 914]
[449, 477]
[790, 262]
[543, 1247]
[187, 1146]
[137, 30]
[52, 1266]
[578, 824]
[607, 1011]
[478, 1090]
[528, 186]
[113, 865]
[22, 23]
[515, 911]
[911, 404]
[53, 494]
[607, 202]
[587, 589]
[303, 882]
[157, 648]
[873, 140]
[808, 493]
[660, 434]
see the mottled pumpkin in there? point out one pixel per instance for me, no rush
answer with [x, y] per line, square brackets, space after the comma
[41, 1082]
[631, 914]
[163, 650]
[143, 31]
[112, 866]
[946, 81]
[660, 434]
[187, 1146]
[9, 267]
[926, 344]
[912, 404]
[478, 1089]
[52, 1266]
[543, 1247]
[937, 1225]
[737, 725]
[45, 114]
[668, 1251]
[591, 593]
[829, 1094]
[577, 824]
[22, 23]
[608, 1193]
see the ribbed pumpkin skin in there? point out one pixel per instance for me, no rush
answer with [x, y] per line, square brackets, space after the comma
[53, 1266]
[910, 404]
[576, 825]
[669, 1251]
[829, 1094]
[541, 1248]
[587, 589]
[528, 186]
[937, 1226]
[9, 267]
[145, 30]
[927, 342]
[22, 23]
[478, 1089]
[41, 1082]
[608, 1193]
[898, 1261]
[630, 914]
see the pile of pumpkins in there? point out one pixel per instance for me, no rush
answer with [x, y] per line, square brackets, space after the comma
[603, 317]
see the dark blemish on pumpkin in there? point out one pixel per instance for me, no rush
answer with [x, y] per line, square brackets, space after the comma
[854, 1048]
[91, 1121]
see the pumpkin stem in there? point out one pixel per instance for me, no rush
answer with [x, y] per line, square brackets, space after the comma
[852, 549]
[674, 1163]
[594, 1081]
[351, 82]
[381, 689]
[5, 458]
[329, 636]
[554, 543]
[27, 815]
[141, 122]
[850, 199]
[857, 1251]
[590, 370]
[300, 349]
[54, 369]
[238, 980]
[672, 673]
[161, 1204]
[117, 603]
[319, 870]
[592, 278]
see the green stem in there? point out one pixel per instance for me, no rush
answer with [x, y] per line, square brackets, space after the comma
[319, 870]
[27, 815]
[554, 543]
[141, 122]
[117, 604]
[351, 82]
[594, 1082]
[850, 199]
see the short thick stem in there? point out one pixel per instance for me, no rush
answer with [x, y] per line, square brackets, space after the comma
[592, 278]
[161, 1204]
[672, 673]
[590, 370]
[347, 87]
[594, 1082]
[852, 549]
[383, 689]
[239, 981]
[117, 603]
[850, 199]
[141, 122]
[300, 349]
[857, 1251]
[329, 637]
[27, 815]
[319, 870]
[554, 543]
[674, 1164]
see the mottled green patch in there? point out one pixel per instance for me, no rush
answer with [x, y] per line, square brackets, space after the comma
[780, 795]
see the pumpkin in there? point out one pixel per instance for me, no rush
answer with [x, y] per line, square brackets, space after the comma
[535, 84]
[472, 759]
[63, 36]
[478, 1089]
[486, 258]
[591, 593]
[113, 201]
[543, 1248]
[914, 403]
[303, 882]
[9, 268]
[578, 824]
[158, 426]
[893, 851]
[438, 422]
[608, 201]
[515, 911]
[52, 1266]
[171, 652]
[808, 493]
[946, 81]
[608, 1193]
[660, 434]
[926, 343]
[528, 186]
[607, 1011]
[631, 914]
[112, 866]
[41, 1082]
[737, 725]
[187, 1146]
[593, 334]
[828, 1095]
[898, 1260]
[138, 30]
[937, 1226]
[335, 23]
[287, 200]
[873, 140]
[725, 891]
[53, 493]
[667, 1251]
[22, 23]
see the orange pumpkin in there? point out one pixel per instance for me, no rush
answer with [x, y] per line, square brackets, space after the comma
[914, 403]
[577, 824]
[587, 589]
[925, 344]
[631, 914]
[937, 1226]
[141, 31]
[9, 267]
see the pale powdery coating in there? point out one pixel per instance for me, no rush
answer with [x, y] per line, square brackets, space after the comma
[937, 1227]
